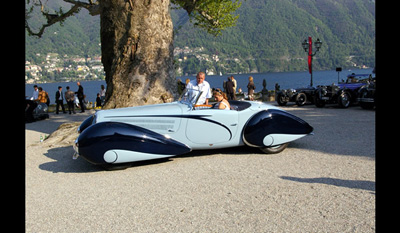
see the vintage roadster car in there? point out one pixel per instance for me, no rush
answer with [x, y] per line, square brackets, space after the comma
[344, 93]
[300, 96]
[125, 135]
[366, 95]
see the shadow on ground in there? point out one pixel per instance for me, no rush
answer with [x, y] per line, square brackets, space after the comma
[349, 132]
[63, 162]
[353, 184]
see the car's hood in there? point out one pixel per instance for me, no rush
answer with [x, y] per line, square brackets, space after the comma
[166, 109]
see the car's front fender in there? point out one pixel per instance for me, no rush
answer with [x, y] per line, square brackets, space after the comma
[273, 127]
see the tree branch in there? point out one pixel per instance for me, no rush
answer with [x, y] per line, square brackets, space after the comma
[92, 7]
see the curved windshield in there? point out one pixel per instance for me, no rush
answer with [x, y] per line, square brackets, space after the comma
[190, 97]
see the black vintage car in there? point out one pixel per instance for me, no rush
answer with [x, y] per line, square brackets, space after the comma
[343, 94]
[299, 95]
[366, 95]
[35, 111]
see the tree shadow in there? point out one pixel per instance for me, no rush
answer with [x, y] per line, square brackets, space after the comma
[353, 184]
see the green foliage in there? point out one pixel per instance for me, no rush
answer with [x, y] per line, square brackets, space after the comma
[270, 33]
[267, 36]
[211, 15]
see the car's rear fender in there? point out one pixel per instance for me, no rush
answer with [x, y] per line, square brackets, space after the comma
[116, 142]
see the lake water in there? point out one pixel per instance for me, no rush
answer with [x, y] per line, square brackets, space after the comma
[284, 79]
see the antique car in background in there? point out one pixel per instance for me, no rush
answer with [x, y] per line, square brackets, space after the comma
[366, 95]
[41, 111]
[344, 93]
[117, 137]
[299, 95]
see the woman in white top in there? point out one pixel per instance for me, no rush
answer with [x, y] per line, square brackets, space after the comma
[222, 100]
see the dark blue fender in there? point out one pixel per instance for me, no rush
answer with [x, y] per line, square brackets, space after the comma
[273, 121]
[86, 123]
[99, 138]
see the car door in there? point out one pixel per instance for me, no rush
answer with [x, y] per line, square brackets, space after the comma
[207, 127]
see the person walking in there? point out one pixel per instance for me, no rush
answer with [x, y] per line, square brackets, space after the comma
[59, 100]
[70, 97]
[80, 96]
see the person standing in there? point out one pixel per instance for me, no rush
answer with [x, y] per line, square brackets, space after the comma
[229, 89]
[98, 101]
[60, 100]
[200, 84]
[234, 87]
[250, 88]
[43, 97]
[80, 96]
[102, 95]
[35, 94]
[70, 97]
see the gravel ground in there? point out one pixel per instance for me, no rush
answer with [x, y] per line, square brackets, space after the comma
[320, 183]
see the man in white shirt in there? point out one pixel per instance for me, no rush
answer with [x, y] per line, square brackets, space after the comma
[35, 94]
[200, 84]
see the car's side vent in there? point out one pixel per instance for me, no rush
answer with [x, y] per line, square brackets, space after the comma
[151, 124]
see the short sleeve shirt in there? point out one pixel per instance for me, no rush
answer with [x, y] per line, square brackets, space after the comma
[204, 87]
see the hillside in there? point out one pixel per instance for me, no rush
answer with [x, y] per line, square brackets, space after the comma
[267, 37]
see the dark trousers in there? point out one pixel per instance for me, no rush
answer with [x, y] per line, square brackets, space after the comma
[71, 106]
[231, 96]
[81, 104]
[58, 103]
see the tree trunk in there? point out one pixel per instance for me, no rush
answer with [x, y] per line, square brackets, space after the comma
[137, 52]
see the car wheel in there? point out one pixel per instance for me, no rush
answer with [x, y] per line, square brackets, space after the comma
[344, 100]
[281, 100]
[319, 103]
[301, 99]
[274, 149]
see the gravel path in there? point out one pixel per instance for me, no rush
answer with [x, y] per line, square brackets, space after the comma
[320, 183]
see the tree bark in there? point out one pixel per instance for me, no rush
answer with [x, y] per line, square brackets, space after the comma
[137, 52]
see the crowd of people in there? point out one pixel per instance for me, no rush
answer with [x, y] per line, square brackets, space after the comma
[221, 96]
[229, 86]
[41, 96]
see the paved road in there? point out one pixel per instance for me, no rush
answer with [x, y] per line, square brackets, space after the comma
[320, 183]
